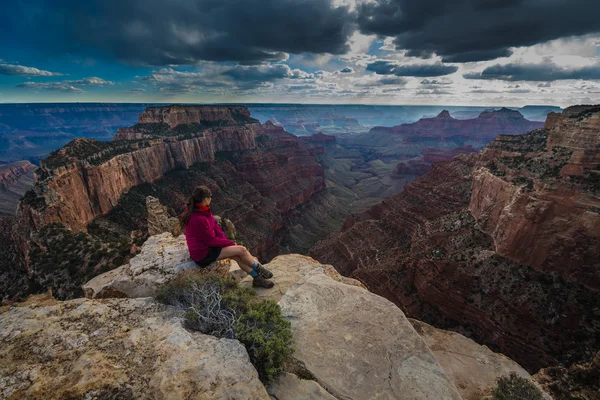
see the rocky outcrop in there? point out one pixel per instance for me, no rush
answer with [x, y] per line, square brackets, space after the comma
[162, 257]
[289, 269]
[342, 333]
[358, 345]
[289, 387]
[117, 348]
[579, 381]
[474, 369]
[501, 245]
[576, 128]
[159, 220]
[549, 231]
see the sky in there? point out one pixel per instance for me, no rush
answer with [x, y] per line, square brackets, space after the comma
[462, 52]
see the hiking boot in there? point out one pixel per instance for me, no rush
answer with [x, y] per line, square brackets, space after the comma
[264, 272]
[260, 281]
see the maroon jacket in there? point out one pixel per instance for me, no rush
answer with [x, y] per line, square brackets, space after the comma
[202, 232]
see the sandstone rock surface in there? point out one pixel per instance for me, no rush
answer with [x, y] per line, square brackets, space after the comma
[473, 368]
[289, 269]
[118, 348]
[161, 259]
[289, 387]
[359, 345]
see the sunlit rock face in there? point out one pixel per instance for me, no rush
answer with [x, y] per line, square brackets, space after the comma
[117, 348]
[502, 245]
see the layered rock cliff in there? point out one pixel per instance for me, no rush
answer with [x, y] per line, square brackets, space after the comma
[15, 179]
[85, 179]
[500, 245]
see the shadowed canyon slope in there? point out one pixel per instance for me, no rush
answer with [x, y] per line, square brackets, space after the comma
[15, 179]
[503, 245]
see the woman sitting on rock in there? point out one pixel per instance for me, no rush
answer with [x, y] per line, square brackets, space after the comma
[207, 242]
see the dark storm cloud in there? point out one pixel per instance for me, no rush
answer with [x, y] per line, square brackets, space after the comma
[158, 32]
[535, 72]
[476, 30]
[381, 67]
[420, 70]
[392, 81]
[259, 73]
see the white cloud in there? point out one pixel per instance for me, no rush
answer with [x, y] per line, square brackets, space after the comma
[21, 70]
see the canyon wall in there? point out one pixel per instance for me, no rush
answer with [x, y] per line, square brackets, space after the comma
[15, 179]
[500, 245]
[85, 179]
[177, 115]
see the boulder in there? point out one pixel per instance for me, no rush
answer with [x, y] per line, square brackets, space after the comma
[162, 257]
[117, 349]
[473, 368]
[358, 345]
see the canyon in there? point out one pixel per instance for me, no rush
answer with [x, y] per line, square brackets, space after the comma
[502, 245]
[286, 192]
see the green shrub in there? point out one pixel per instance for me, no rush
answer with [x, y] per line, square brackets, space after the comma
[219, 307]
[266, 336]
[513, 387]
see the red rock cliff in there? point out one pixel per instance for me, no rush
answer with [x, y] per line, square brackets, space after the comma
[500, 245]
[10, 173]
[177, 115]
[85, 179]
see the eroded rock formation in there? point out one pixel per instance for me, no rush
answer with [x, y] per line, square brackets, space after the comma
[501, 245]
[15, 179]
[85, 179]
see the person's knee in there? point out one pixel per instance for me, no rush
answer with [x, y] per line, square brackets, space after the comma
[240, 251]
